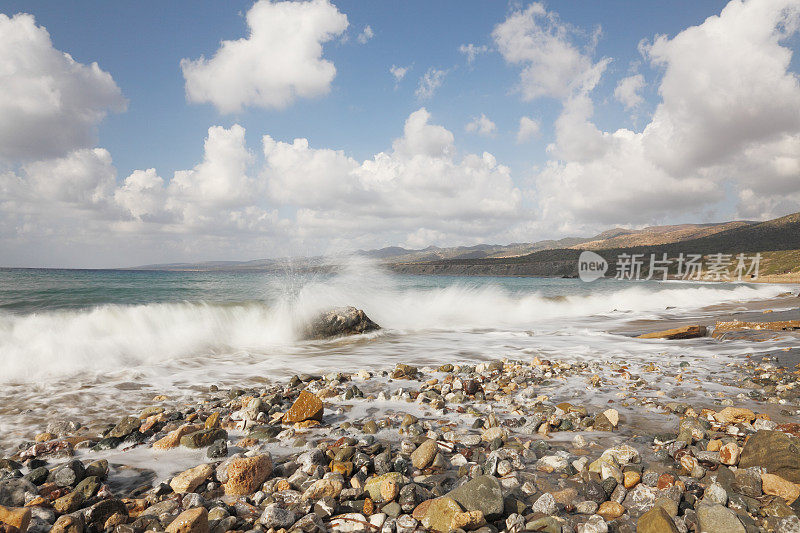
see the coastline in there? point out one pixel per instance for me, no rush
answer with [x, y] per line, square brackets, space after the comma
[534, 271]
[310, 266]
[562, 445]
[778, 279]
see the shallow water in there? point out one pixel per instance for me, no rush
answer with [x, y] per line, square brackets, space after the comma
[93, 345]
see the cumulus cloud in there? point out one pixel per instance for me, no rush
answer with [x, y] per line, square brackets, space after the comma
[83, 178]
[429, 83]
[620, 186]
[528, 128]
[556, 62]
[51, 211]
[421, 138]
[472, 51]
[419, 187]
[481, 125]
[366, 34]
[420, 190]
[86, 180]
[726, 130]
[553, 64]
[221, 195]
[628, 91]
[729, 118]
[221, 178]
[726, 85]
[399, 72]
[279, 61]
[50, 103]
[67, 202]
[143, 195]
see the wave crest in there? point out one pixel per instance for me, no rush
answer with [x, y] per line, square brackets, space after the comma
[108, 338]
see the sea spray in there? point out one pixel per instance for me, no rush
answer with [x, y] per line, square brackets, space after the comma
[112, 337]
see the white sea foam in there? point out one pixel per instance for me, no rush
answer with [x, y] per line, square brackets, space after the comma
[110, 338]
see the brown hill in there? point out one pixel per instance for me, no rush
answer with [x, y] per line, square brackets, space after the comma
[655, 235]
[778, 236]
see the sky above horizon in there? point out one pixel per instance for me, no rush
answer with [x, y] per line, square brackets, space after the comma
[151, 132]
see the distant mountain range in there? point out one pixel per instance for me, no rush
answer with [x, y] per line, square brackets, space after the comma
[778, 240]
[655, 235]
[550, 257]
[613, 238]
[396, 254]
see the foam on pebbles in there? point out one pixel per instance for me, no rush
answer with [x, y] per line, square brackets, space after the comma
[455, 448]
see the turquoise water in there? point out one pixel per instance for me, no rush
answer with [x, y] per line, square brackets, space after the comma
[36, 290]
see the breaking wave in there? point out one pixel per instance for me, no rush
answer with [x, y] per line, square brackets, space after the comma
[107, 338]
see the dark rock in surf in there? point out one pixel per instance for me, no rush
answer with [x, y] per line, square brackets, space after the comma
[338, 322]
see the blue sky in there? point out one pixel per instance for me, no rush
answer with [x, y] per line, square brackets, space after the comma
[554, 178]
[141, 45]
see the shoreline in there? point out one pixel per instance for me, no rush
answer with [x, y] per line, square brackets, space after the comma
[492, 424]
[779, 279]
[422, 269]
[770, 279]
[559, 445]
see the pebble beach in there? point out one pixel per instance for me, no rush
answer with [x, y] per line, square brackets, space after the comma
[322, 266]
[533, 444]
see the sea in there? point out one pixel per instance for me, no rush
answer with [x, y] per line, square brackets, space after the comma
[97, 344]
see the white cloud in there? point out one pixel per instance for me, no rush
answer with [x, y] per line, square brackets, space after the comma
[472, 51]
[628, 89]
[421, 138]
[219, 196]
[620, 186]
[420, 190]
[577, 138]
[729, 118]
[727, 129]
[49, 104]
[481, 125]
[399, 72]
[429, 83]
[83, 178]
[419, 187]
[220, 180]
[52, 211]
[528, 128]
[279, 61]
[552, 63]
[769, 177]
[726, 85]
[424, 237]
[143, 195]
[366, 34]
